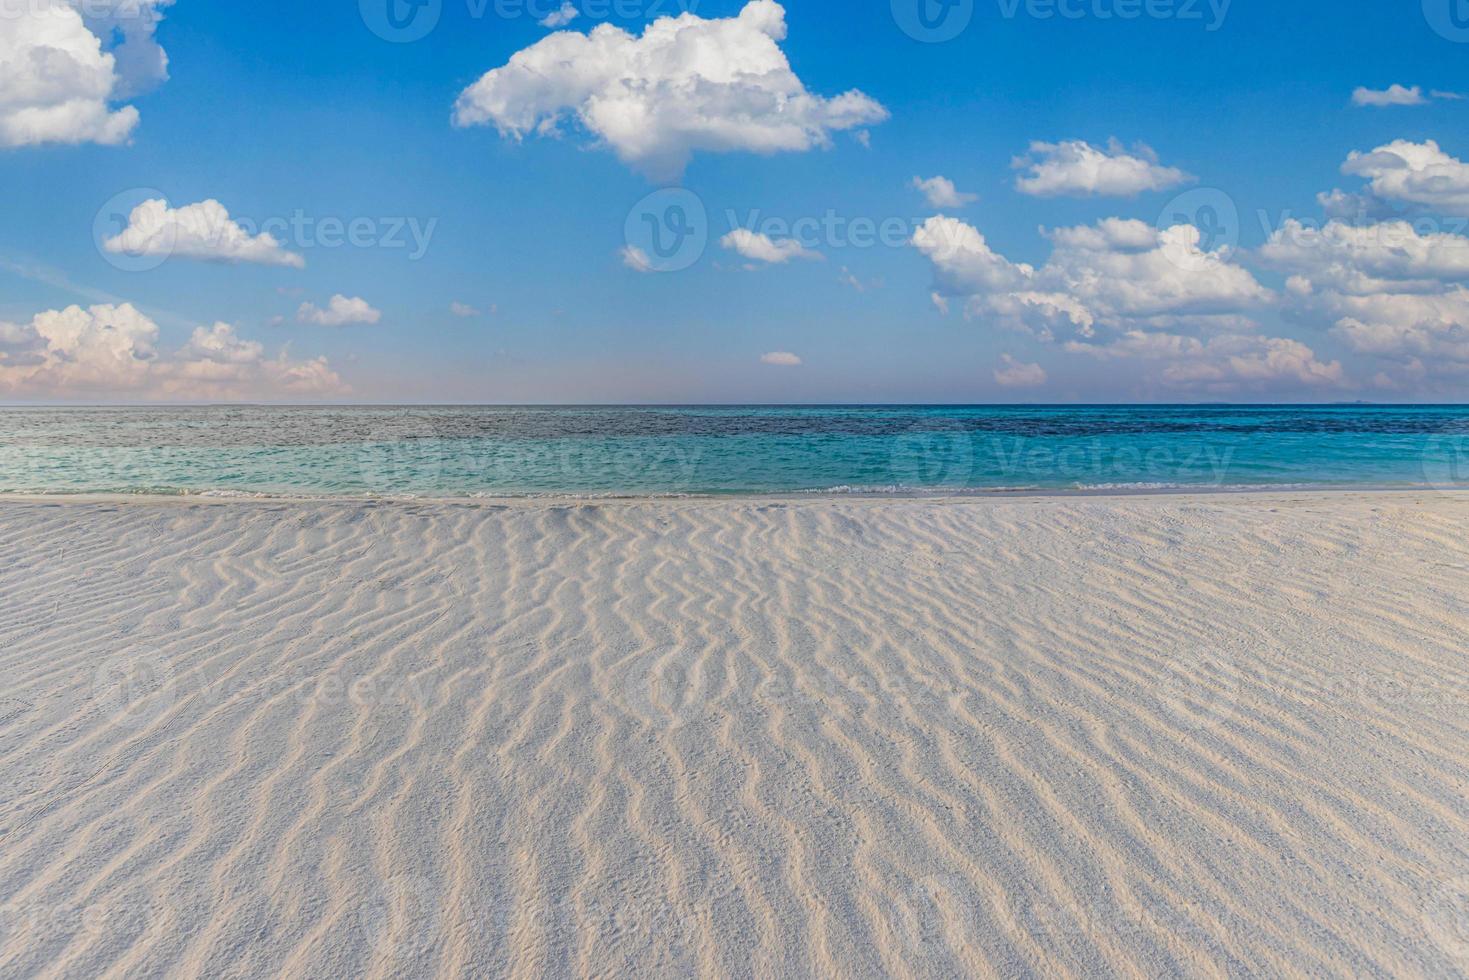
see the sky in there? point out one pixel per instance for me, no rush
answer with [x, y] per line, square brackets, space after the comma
[713, 201]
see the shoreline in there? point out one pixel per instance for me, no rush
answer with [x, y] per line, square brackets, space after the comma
[798, 496]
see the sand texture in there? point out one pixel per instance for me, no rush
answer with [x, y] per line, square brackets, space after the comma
[1143, 736]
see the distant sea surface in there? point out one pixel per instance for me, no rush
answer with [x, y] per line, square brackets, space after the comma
[454, 452]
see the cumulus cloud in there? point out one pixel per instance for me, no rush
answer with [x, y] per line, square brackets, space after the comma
[64, 63]
[463, 310]
[1367, 258]
[1390, 290]
[560, 18]
[780, 358]
[1119, 273]
[1125, 289]
[1221, 363]
[112, 351]
[688, 84]
[941, 192]
[1419, 175]
[759, 247]
[1406, 326]
[1014, 374]
[1392, 95]
[341, 311]
[197, 231]
[1076, 168]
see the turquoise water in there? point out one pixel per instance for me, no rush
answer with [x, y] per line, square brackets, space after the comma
[608, 451]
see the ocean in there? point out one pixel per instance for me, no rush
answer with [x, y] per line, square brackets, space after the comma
[501, 451]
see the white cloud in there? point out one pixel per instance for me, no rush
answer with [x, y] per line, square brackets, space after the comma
[686, 85]
[1406, 327]
[1390, 291]
[112, 351]
[635, 258]
[1078, 169]
[758, 247]
[561, 17]
[1420, 174]
[1400, 95]
[1014, 374]
[1125, 289]
[463, 310]
[340, 312]
[941, 192]
[197, 231]
[1392, 95]
[1119, 273]
[1221, 363]
[780, 358]
[848, 278]
[1367, 258]
[63, 63]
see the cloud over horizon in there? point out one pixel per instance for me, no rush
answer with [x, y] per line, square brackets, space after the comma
[112, 350]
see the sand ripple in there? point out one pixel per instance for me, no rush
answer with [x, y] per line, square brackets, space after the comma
[1141, 736]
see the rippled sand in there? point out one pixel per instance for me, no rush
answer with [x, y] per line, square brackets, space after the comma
[1145, 735]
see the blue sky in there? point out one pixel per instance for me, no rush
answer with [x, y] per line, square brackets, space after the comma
[301, 113]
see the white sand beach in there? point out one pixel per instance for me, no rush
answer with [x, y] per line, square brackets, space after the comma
[1148, 735]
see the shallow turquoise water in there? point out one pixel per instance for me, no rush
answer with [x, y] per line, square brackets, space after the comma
[512, 451]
